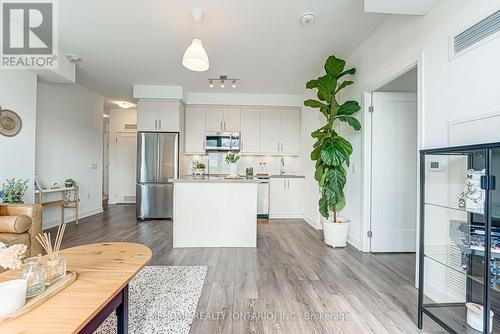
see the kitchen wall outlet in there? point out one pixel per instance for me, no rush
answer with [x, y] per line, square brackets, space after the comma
[93, 166]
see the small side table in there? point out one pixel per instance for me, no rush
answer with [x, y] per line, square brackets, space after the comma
[70, 199]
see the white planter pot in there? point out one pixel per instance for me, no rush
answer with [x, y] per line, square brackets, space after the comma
[336, 233]
[233, 170]
[13, 294]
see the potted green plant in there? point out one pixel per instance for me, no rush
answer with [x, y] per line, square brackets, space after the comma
[232, 159]
[198, 167]
[331, 151]
[14, 190]
[69, 183]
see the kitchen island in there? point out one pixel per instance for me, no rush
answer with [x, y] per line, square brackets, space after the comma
[215, 212]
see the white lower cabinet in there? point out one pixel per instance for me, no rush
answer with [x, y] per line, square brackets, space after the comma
[286, 199]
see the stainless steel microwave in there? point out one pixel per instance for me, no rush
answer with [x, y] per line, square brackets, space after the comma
[222, 141]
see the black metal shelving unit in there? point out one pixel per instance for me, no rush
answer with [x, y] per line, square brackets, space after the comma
[457, 235]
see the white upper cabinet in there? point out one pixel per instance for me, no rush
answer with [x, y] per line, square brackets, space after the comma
[168, 116]
[270, 120]
[147, 116]
[223, 119]
[273, 131]
[250, 130]
[232, 119]
[215, 119]
[290, 131]
[158, 116]
[194, 130]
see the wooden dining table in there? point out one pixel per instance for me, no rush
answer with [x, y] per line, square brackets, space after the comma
[104, 271]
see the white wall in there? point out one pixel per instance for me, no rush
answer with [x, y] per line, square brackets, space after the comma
[17, 154]
[69, 141]
[464, 87]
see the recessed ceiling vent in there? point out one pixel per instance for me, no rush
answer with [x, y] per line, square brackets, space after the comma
[480, 33]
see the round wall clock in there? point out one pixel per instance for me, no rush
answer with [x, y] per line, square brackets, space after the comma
[10, 123]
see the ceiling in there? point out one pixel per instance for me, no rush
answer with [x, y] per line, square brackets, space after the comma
[408, 7]
[261, 42]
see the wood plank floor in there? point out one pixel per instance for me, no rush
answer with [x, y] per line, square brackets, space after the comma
[290, 275]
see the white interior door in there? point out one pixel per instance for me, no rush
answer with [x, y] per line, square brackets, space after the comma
[394, 172]
[126, 148]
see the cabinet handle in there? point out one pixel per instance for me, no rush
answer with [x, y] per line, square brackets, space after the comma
[284, 184]
[288, 184]
[221, 126]
[159, 122]
[278, 146]
[225, 126]
[156, 124]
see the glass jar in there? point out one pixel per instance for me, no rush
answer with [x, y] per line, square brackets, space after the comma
[54, 270]
[34, 274]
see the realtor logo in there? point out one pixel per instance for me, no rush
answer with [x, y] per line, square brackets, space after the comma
[28, 36]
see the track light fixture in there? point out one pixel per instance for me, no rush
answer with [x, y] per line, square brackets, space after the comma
[222, 80]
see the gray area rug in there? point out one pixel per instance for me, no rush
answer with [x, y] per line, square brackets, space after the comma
[162, 299]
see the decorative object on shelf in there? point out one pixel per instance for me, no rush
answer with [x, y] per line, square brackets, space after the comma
[14, 190]
[195, 58]
[69, 183]
[11, 257]
[472, 197]
[13, 294]
[222, 81]
[331, 151]
[475, 314]
[34, 274]
[55, 186]
[55, 267]
[262, 168]
[10, 123]
[249, 171]
[198, 167]
[232, 159]
[39, 183]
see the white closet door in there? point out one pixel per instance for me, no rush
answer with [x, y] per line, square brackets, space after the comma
[270, 131]
[126, 148]
[215, 119]
[394, 172]
[232, 119]
[250, 130]
[290, 131]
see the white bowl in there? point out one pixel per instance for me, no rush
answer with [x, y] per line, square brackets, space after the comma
[12, 295]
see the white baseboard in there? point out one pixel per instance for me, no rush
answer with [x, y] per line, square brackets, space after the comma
[313, 223]
[285, 216]
[355, 243]
[71, 218]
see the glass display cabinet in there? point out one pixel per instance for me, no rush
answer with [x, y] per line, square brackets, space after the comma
[459, 251]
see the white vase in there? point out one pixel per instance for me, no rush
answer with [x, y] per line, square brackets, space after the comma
[233, 170]
[13, 294]
[336, 233]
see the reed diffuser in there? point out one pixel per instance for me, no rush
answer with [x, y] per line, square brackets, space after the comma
[55, 268]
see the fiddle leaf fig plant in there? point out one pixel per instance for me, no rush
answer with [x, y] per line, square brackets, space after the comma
[332, 151]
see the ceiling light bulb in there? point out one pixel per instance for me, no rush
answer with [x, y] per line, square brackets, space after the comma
[124, 104]
[234, 84]
[211, 83]
[195, 58]
[222, 84]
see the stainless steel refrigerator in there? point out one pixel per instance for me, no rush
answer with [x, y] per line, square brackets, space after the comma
[157, 166]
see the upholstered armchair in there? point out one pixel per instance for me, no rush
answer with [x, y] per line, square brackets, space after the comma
[19, 224]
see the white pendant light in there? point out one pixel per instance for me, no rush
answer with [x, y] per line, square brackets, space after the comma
[195, 58]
